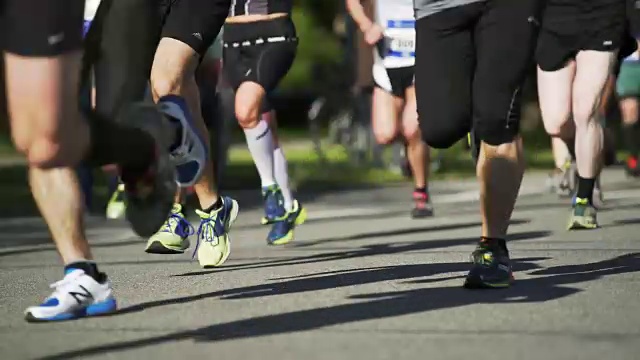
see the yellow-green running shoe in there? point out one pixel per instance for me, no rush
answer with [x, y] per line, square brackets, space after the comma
[214, 245]
[282, 230]
[583, 215]
[116, 206]
[172, 238]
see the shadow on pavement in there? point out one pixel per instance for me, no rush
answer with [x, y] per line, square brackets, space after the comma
[398, 232]
[553, 285]
[368, 250]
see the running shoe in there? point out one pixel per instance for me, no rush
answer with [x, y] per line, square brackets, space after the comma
[422, 205]
[282, 230]
[583, 215]
[273, 204]
[149, 194]
[116, 206]
[563, 181]
[214, 245]
[173, 237]
[77, 295]
[631, 166]
[190, 153]
[491, 267]
[598, 196]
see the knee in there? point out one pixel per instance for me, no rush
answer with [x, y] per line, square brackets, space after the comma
[411, 131]
[384, 134]
[444, 130]
[562, 128]
[165, 83]
[48, 146]
[43, 151]
[583, 113]
[247, 113]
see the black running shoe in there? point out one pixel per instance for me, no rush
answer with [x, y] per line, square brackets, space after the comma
[491, 266]
[149, 194]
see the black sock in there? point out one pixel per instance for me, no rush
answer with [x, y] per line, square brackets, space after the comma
[215, 206]
[497, 242]
[113, 143]
[421, 189]
[585, 188]
[89, 267]
[632, 138]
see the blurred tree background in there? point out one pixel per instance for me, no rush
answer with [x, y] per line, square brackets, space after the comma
[318, 43]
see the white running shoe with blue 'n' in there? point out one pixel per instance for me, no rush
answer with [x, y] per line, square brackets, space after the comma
[191, 155]
[77, 295]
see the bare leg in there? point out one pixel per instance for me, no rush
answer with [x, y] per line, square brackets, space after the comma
[500, 170]
[417, 150]
[591, 77]
[57, 193]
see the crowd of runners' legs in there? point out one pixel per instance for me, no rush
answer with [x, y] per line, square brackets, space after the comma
[463, 84]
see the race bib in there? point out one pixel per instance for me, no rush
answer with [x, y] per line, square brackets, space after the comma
[401, 47]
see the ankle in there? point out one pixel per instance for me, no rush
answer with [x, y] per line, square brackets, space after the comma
[88, 266]
[492, 242]
[214, 206]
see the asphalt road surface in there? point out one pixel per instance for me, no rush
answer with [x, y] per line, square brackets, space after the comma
[361, 281]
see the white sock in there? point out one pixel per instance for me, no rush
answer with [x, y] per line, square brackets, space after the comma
[260, 143]
[282, 177]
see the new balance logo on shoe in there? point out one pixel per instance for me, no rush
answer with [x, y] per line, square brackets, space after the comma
[79, 295]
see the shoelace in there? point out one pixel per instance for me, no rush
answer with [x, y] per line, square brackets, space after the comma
[206, 230]
[178, 219]
[69, 278]
[272, 204]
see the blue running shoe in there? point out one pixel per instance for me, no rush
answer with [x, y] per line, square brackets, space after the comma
[76, 295]
[273, 204]
[190, 154]
[282, 230]
[214, 244]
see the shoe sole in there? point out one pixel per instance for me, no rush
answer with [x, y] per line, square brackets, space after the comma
[477, 283]
[232, 218]
[157, 247]
[423, 215]
[302, 217]
[147, 216]
[107, 307]
[575, 225]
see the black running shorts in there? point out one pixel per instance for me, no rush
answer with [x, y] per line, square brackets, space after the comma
[471, 63]
[395, 81]
[194, 22]
[41, 28]
[569, 26]
[260, 52]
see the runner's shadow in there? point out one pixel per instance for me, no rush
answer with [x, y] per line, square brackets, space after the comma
[398, 232]
[332, 280]
[554, 285]
[366, 251]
